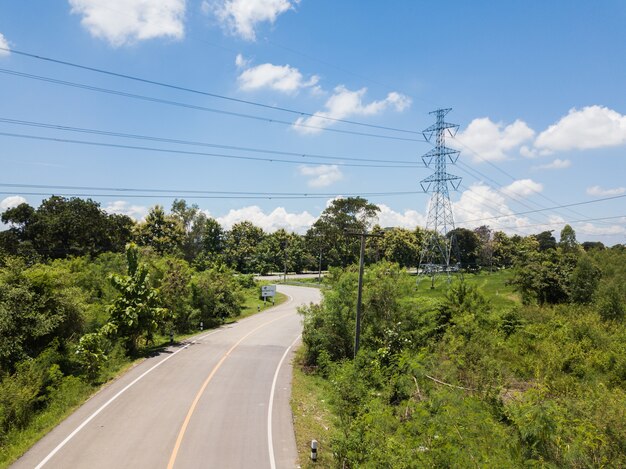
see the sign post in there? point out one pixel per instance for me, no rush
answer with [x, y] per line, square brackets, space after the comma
[268, 291]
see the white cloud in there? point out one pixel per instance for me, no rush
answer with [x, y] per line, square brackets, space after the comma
[240, 17]
[122, 207]
[322, 175]
[523, 188]
[556, 164]
[344, 103]
[241, 61]
[597, 191]
[11, 202]
[589, 127]
[5, 44]
[603, 230]
[410, 219]
[282, 78]
[479, 205]
[270, 222]
[127, 21]
[492, 141]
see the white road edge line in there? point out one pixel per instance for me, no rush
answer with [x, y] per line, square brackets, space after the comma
[270, 407]
[105, 405]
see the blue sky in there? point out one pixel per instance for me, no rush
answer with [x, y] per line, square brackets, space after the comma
[536, 87]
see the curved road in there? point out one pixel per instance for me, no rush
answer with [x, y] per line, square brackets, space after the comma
[218, 401]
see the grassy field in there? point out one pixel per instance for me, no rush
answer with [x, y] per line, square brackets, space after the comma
[492, 285]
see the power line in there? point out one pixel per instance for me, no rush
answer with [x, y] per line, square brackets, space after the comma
[196, 107]
[189, 142]
[175, 196]
[199, 92]
[549, 208]
[189, 153]
[189, 191]
[575, 221]
[512, 177]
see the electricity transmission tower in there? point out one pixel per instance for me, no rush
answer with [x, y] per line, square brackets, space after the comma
[436, 254]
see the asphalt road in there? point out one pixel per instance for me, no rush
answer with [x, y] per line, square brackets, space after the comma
[220, 400]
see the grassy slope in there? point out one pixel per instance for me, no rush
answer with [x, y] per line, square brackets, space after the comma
[311, 415]
[310, 393]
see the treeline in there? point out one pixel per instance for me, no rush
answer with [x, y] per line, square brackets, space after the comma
[64, 227]
[462, 378]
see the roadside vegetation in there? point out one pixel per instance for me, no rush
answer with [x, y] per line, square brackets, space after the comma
[521, 367]
[76, 313]
[520, 363]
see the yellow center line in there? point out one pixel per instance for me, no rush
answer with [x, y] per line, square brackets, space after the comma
[183, 429]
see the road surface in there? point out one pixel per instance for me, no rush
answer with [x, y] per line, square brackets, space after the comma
[220, 400]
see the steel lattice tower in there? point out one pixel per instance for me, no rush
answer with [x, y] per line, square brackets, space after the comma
[435, 256]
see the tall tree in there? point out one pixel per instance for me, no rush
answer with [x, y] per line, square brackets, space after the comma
[468, 244]
[546, 240]
[352, 214]
[164, 233]
[136, 313]
[63, 227]
[401, 246]
[568, 241]
[241, 245]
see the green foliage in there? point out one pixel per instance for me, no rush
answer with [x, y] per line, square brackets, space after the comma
[36, 305]
[609, 303]
[584, 280]
[241, 244]
[462, 380]
[63, 227]
[136, 313]
[215, 296]
[328, 233]
[568, 241]
[164, 233]
[543, 277]
[91, 353]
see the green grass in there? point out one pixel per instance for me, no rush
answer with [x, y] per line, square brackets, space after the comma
[492, 285]
[312, 417]
[70, 395]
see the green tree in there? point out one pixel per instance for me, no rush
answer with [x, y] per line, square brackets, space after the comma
[63, 227]
[468, 244]
[164, 233]
[175, 293]
[215, 296]
[37, 305]
[568, 241]
[546, 240]
[241, 245]
[486, 247]
[543, 277]
[584, 280]
[351, 214]
[401, 246]
[136, 313]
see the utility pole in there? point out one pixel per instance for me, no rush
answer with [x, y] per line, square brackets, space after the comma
[357, 332]
[319, 272]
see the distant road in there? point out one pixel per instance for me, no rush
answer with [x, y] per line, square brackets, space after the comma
[279, 277]
[219, 401]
